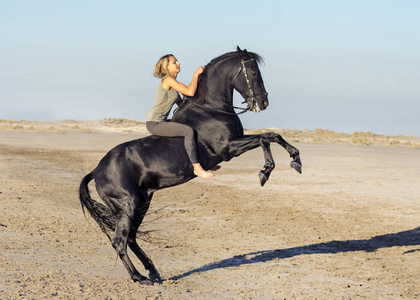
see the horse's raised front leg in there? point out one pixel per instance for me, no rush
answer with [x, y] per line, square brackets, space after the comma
[249, 142]
[294, 152]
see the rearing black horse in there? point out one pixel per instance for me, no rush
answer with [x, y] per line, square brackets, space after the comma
[130, 173]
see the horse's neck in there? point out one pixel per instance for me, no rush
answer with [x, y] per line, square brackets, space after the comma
[218, 93]
[220, 84]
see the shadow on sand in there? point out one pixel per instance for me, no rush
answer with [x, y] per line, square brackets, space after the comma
[404, 238]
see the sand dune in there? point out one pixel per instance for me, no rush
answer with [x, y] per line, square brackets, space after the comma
[126, 126]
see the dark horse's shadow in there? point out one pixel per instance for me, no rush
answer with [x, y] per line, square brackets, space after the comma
[403, 238]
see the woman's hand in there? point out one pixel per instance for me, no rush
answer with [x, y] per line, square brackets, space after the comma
[199, 70]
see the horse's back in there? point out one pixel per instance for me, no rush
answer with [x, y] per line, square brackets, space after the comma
[151, 162]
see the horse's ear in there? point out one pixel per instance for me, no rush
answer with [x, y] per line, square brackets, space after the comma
[240, 53]
[243, 54]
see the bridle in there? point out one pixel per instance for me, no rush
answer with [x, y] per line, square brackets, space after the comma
[251, 102]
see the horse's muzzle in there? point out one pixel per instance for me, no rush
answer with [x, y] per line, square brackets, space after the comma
[260, 103]
[265, 103]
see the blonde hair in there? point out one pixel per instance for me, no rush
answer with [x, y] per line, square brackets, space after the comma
[161, 68]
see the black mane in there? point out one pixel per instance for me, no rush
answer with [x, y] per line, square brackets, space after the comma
[201, 93]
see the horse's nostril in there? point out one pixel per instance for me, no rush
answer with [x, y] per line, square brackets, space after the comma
[265, 102]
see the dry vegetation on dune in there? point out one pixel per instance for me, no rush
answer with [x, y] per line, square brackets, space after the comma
[329, 136]
[113, 125]
[36, 126]
[293, 136]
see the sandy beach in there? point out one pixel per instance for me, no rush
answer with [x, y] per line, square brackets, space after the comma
[347, 228]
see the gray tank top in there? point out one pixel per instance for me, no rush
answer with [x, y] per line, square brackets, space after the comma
[163, 104]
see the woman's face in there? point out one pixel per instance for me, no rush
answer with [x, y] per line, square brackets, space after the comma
[173, 66]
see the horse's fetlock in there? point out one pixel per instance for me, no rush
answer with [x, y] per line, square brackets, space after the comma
[294, 154]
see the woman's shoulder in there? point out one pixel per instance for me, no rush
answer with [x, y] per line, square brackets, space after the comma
[167, 82]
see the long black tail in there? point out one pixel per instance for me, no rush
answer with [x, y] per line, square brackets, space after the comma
[99, 212]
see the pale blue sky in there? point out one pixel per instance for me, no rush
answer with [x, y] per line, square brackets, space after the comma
[340, 65]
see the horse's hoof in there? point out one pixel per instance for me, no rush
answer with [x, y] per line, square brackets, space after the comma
[263, 178]
[296, 166]
[155, 278]
[142, 279]
[146, 282]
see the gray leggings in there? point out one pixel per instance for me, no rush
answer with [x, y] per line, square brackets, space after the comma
[172, 129]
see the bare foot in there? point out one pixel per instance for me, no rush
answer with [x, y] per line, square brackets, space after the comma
[215, 168]
[204, 174]
[200, 172]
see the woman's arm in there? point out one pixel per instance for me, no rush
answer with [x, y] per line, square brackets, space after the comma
[170, 82]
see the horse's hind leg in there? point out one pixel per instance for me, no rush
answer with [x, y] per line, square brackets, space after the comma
[146, 261]
[122, 231]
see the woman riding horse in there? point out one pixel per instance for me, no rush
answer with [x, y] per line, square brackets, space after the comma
[167, 68]
[129, 174]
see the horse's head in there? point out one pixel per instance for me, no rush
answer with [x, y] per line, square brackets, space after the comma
[248, 81]
[237, 70]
